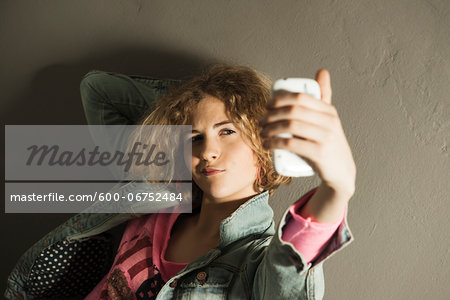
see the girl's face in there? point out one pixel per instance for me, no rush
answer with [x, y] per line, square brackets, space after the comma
[217, 144]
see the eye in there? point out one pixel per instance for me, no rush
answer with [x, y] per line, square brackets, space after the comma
[229, 130]
[192, 139]
[196, 137]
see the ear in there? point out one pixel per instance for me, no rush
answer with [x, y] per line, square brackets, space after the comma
[323, 78]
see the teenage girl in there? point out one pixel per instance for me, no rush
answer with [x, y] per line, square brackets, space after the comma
[228, 247]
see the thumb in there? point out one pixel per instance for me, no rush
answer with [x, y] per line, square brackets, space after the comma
[323, 78]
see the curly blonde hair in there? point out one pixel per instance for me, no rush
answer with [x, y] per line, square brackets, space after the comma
[244, 91]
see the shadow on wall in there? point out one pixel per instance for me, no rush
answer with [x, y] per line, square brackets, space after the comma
[53, 98]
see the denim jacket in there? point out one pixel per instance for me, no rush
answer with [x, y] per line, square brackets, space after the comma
[251, 261]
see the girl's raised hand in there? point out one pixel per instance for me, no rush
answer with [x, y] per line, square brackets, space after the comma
[318, 134]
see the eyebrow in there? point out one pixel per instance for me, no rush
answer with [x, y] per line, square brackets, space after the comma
[215, 125]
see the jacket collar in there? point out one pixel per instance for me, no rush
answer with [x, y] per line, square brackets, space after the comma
[254, 216]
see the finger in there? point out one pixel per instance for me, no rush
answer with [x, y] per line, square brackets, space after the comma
[305, 148]
[303, 100]
[299, 129]
[323, 78]
[298, 113]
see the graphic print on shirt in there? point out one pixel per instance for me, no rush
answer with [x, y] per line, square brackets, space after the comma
[133, 267]
[118, 287]
[150, 288]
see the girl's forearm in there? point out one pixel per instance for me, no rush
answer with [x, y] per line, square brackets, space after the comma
[326, 205]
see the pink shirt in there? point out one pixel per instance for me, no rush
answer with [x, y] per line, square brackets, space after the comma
[307, 236]
[140, 268]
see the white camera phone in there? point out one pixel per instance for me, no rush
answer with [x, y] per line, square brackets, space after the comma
[287, 163]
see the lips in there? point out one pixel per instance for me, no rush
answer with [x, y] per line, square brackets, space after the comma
[211, 171]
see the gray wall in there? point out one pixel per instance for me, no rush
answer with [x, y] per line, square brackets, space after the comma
[389, 64]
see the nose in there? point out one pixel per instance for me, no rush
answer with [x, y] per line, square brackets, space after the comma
[210, 150]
